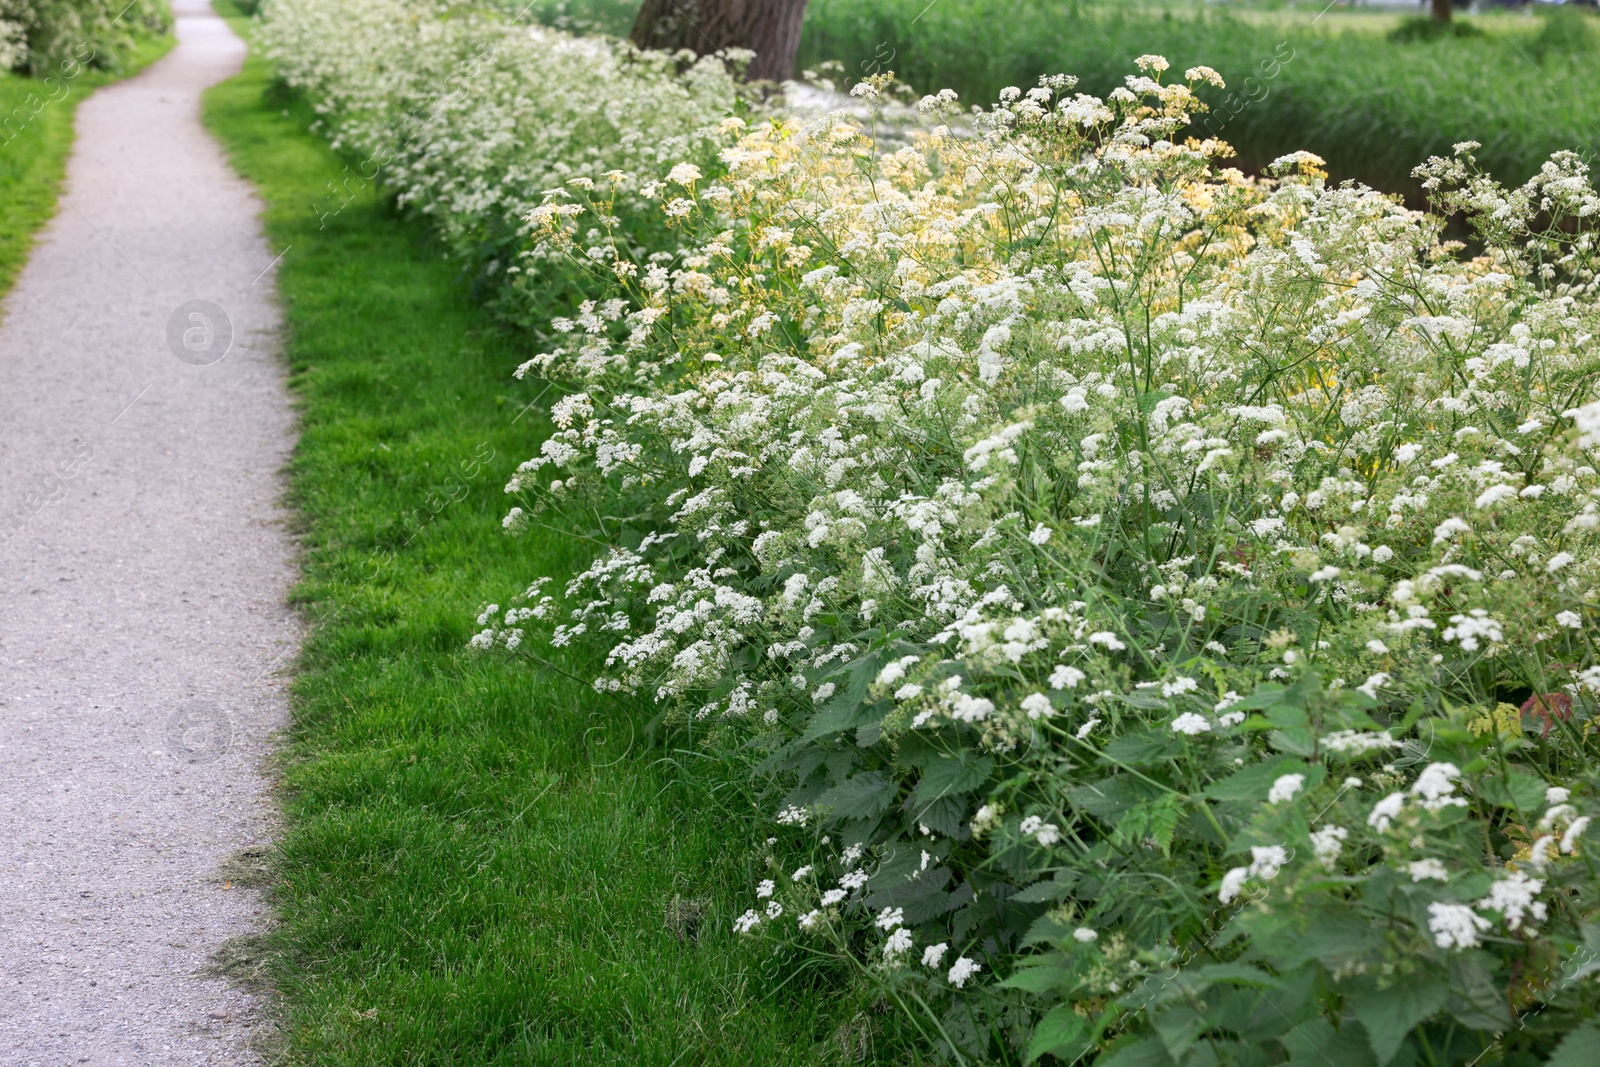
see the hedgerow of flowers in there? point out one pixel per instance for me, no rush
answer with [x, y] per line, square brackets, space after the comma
[55, 38]
[1166, 598]
[468, 115]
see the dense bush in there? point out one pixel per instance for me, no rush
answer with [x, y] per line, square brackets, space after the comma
[1167, 598]
[1161, 601]
[55, 37]
[469, 118]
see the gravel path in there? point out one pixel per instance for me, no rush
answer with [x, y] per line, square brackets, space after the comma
[144, 560]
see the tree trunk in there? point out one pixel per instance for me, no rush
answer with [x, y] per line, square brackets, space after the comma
[1441, 11]
[769, 28]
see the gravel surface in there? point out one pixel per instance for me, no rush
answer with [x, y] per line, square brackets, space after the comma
[144, 560]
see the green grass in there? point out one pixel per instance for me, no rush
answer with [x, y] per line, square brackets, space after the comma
[1373, 106]
[35, 138]
[480, 855]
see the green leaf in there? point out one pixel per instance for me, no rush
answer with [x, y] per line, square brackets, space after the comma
[1155, 820]
[1110, 797]
[1180, 1027]
[1586, 960]
[1390, 1014]
[1061, 1033]
[948, 776]
[1149, 1052]
[865, 796]
[1475, 1000]
[1143, 748]
[1518, 790]
[1252, 783]
[1581, 1048]
[1045, 892]
[1315, 1043]
[1039, 979]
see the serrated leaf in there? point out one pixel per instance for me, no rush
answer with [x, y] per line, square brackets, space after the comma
[950, 776]
[1315, 1043]
[1061, 1033]
[1046, 892]
[1040, 979]
[1180, 1027]
[1581, 1048]
[1150, 1052]
[1518, 790]
[1143, 748]
[1389, 1015]
[865, 796]
[1475, 1000]
[1155, 820]
[1252, 783]
[1110, 797]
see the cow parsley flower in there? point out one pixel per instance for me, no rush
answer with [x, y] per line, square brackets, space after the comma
[1516, 899]
[1084, 936]
[1427, 868]
[1327, 843]
[1285, 788]
[963, 969]
[1455, 926]
[1191, 724]
[1064, 677]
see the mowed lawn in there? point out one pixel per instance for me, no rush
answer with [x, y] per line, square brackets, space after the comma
[484, 861]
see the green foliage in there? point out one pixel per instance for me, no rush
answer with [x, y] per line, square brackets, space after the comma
[50, 37]
[1425, 28]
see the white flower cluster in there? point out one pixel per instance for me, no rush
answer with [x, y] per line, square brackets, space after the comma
[472, 117]
[1040, 435]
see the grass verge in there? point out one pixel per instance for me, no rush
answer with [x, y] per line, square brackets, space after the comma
[485, 863]
[35, 137]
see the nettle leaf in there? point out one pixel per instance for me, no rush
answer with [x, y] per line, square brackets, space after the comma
[1315, 1043]
[1586, 960]
[1518, 790]
[1252, 783]
[866, 796]
[1061, 1033]
[943, 816]
[922, 895]
[952, 775]
[1110, 797]
[1143, 748]
[1180, 1027]
[1042, 976]
[1581, 1048]
[1475, 1000]
[1046, 892]
[1137, 1052]
[1389, 1015]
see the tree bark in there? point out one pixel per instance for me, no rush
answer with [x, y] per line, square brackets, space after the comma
[1441, 11]
[769, 28]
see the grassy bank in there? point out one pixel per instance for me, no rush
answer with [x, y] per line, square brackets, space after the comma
[484, 862]
[1335, 83]
[35, 136]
